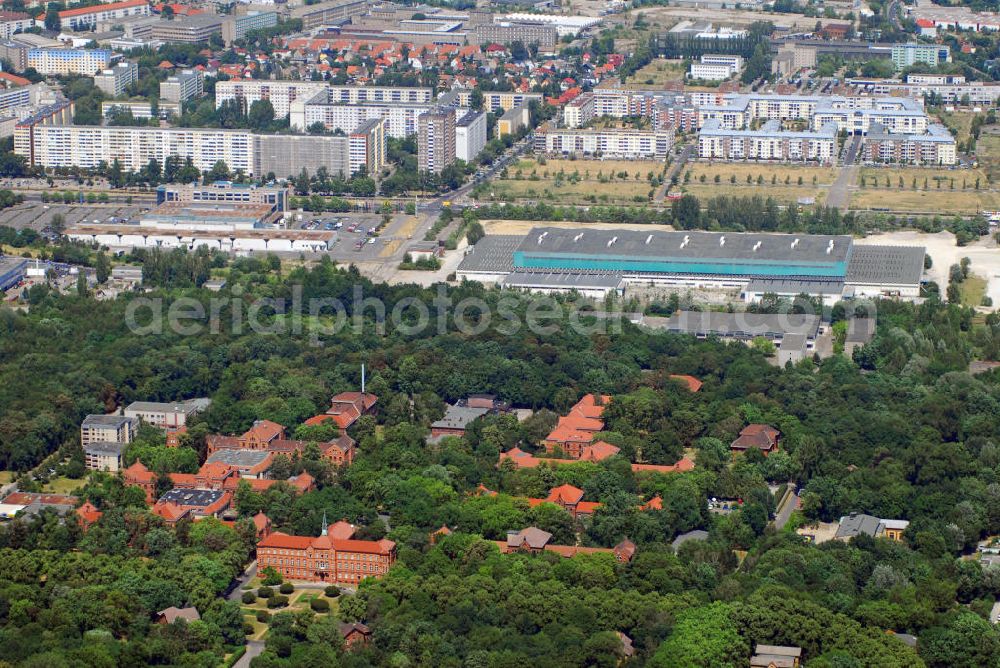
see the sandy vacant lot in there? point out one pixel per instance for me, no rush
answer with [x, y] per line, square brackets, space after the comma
[941, 247]
[524, 226]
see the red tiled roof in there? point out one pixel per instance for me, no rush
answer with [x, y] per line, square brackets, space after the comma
[760, 436]
[169, 511]
[139, 472]
[588, 406]
[685, 464]
[265, 430]
[14, 79]
[587, 507]
[88, 513]
[656, 503]
[925, 23]
[693, 384]
[111, 6]
[565, 494]
[599, 451]
[285, 541]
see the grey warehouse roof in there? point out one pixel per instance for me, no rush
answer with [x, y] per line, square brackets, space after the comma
[524, 279]
[738, 325]
[658, 243]
[857, 524]
[198, 498]
[494, 254]
[886, 265]
[458, 417]
[782, 286]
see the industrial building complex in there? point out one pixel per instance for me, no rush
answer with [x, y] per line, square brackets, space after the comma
[599, 262]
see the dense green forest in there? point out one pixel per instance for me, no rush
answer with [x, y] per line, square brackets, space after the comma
[903, 431]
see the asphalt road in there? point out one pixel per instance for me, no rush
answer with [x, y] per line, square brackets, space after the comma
[254, 649]
[785, 511]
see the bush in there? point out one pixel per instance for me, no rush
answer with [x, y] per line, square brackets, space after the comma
[248, 628]
[333, 591]
[319, 605]
[249, 597]
[265, 592]
[263, 616]
[286, 588]
[277, 601]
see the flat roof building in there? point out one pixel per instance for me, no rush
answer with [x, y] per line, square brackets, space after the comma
[103, 456]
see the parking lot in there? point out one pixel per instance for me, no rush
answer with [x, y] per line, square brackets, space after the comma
[36, 216]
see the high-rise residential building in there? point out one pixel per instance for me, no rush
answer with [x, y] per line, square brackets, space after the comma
[470, 135]
[68, 61]
[400, 118]
[14, 22]
[328, 13]
[237, 27]
[912, 53]
[89, 146]
[115, 80]
[436, 139]
[183, 86]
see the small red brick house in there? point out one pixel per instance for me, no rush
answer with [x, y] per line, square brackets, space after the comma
[88, 515]
[355, 635]
[570, 498]
[346, 408]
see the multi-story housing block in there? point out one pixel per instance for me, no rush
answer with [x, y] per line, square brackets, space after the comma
[115, 80]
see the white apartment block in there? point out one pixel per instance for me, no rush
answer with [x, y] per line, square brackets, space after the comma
[936, 147]
[166, 415]
[69, 61]
[400, 118]
[183, 86]
[716, 67]
[141, 108]
[85, 18]
[611, 143]
[579, 111]
[768, 143]
[88, 146]
[283, 93]
[115, 80]
[470, 135]
[499, 101]
[14, 22]
[851, 114]
[710, 72]
[107, 429]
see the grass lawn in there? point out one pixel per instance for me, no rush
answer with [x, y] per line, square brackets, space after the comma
[988, 153]
[588, 170]
[299, 599]
[622, 192]
[6, 477]
[942, 201]
[824, 175]
[62, 485]
[960, 121]
[780, 193]
[931, 175]
[657, 73]
[972, 290]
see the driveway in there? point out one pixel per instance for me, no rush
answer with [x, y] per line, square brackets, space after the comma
[785, 511]
[248, 575]
[254, 649]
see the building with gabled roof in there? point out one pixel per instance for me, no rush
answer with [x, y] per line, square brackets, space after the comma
[760, 436]
[331, 557]
[172, 614]
[533, 540]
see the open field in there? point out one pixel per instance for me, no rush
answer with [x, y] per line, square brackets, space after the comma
[972, 289]
[942, 201]
[931, 175]
[961, 121]
[575, 181]
[525, 226]
[6, 477]
[588, 170]
[988, 153]
[780, 193]
[62, 485]
[669, 16]
[567, 192]
[824, 176]
[657, 73]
